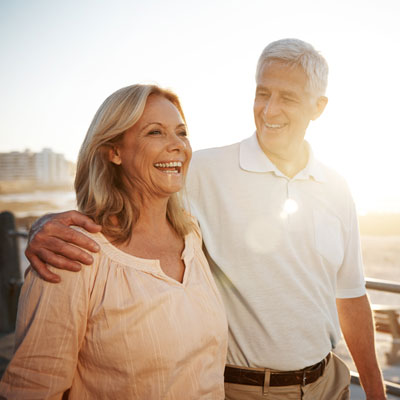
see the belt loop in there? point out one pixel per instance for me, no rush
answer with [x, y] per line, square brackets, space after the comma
[304, 381]
[325, 362]
[323, 366]
[267, 375]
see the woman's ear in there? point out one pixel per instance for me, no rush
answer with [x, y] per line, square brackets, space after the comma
[113, 156]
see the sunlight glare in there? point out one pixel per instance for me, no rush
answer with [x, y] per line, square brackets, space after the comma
[290, 206]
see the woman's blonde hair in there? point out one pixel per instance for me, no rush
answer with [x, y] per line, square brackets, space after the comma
[100, 191]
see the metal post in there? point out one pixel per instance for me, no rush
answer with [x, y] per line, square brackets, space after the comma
[384, 285]
[10, 275]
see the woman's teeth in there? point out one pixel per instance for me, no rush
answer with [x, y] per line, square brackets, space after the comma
[173, 167]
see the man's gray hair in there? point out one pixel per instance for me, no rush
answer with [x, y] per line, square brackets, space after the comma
[295, 52]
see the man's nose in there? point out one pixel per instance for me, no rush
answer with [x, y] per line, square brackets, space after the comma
[271, 107]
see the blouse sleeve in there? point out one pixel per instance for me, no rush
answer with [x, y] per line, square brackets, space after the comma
[51, 324]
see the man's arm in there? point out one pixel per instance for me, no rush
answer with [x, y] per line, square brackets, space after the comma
[357, 325]
[53, 242]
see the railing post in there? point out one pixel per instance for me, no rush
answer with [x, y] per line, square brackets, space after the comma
[10, 274]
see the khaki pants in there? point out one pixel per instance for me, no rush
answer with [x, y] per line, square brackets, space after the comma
[332, 385]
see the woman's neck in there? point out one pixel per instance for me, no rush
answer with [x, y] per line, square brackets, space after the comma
[153, 237]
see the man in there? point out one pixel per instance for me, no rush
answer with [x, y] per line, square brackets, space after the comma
[281, 235]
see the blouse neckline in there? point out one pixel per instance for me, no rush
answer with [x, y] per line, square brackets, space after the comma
[145, 264]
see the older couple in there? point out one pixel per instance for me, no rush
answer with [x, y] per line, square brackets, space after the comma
[280, 234]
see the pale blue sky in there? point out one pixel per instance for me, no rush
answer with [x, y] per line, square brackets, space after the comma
[61, 59]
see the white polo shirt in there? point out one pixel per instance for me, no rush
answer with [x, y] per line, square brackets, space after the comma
[281, 251]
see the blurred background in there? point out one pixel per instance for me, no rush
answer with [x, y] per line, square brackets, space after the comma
[61, 59]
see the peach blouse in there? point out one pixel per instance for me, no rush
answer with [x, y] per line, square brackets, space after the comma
[121, 329]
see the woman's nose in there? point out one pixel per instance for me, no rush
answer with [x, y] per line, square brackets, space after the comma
[176, 142]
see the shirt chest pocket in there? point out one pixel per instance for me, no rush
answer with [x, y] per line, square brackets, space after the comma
[328, 236]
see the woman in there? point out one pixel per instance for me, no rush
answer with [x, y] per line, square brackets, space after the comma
[145, 321]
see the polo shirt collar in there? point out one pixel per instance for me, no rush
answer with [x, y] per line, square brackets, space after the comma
[253, 159]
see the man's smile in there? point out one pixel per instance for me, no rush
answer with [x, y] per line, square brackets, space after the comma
[274, 126]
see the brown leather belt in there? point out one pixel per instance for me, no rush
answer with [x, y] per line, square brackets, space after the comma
[243, 376]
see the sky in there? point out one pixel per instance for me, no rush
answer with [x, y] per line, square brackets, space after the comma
[61, 59]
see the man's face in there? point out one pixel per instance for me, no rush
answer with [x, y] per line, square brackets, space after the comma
[283, 108]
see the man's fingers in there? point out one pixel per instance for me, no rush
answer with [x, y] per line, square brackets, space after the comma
[43, 271]
[53, 247]
[58, 261]
[78, 219]
[54, 242]
[90, 226]
[65, 235]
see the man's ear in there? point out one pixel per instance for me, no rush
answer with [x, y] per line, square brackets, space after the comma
[322, 101]
[114, 156]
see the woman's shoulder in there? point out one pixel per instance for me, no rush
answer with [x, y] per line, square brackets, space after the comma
[104, 244]
[195, 231]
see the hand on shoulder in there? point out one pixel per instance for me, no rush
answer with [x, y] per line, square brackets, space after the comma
[52, 241]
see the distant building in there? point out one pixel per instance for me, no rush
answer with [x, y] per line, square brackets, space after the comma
[17, 166]
[45, 168]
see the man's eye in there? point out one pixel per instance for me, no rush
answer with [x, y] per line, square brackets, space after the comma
[289, 99]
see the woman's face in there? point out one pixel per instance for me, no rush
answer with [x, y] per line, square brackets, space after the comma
[155, 153]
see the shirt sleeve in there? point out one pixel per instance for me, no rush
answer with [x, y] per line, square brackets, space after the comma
[51, 324]
[350, 278]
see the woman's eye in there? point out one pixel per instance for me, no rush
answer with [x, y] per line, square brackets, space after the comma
[155, 132]
[182, 133]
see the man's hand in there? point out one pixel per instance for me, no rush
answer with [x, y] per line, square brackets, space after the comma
[53, 242]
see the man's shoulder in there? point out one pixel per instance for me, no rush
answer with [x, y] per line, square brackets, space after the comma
[330, 173]
[221, 150]
[335, 183]
[212, 165]
[216, 154]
